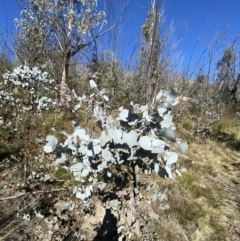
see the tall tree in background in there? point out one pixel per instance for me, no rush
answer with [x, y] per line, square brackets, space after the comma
[157, 52]
[228, 77]
[151, 49]
[66, 25]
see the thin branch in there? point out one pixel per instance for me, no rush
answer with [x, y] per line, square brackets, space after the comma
[58, 42]
[13, 197]
[81, 46]
[36, 192]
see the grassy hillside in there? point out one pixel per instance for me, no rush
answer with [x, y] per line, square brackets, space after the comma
[204, 202]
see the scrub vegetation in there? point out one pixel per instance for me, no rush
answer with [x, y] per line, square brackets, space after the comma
[101, 151]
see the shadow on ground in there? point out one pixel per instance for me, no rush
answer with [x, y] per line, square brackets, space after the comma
[108, 229]
[228, 139]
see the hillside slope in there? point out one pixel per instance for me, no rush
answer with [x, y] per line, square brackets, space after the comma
[204, 202]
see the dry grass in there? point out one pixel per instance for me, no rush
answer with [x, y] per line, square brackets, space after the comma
[204, 202]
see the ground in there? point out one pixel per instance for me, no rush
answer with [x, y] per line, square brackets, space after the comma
[204, 202]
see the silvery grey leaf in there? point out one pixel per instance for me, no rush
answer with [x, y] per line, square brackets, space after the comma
[172, 158]
[92, 84]
[75, 189]
[76, 169]
[97, 149]
[120, 228]
[131, 138]
[101, 186]
[176, 101]
[182, 147]
[146, 142]
[115, 135]
[51, 143]
[46, 178]
[161, 111]
[169, 172]
[107, 155]
[158, 146]
[165, 124]
[62, 159]
[77, 108]
[74, 94]
[136, 191]
[143, 108]
[156, 167]
[102, 166]
[169, 134]
[170, 95]
[159, 95]
[81, 195]
[85, 172]
[124, 114]
[103, 138]
[105, 98]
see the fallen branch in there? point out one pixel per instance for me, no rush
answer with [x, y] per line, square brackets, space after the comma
[13, 197]
[35, 192]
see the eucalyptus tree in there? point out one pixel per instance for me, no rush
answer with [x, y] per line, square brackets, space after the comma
[69, 26]
[228, 74]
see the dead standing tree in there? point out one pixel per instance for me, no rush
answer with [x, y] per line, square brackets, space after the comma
[152, 37]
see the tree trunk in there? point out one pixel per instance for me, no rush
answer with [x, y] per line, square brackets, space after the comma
[64, 97]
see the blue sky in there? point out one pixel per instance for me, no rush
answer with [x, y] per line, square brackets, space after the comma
[190, 20]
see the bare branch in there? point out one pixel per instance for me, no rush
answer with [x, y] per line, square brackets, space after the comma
[35, 192]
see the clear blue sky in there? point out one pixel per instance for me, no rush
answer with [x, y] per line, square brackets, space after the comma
[190, 19]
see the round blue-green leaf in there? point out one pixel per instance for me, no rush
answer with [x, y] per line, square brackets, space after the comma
[170, 95]
[81, 195]
[182, 147]
[169, 134]
[124, 114]
[169, 172]
[85, 172]
[52, 142]
[76, 169]
[172, 158]
[92, 84]
[146, 142]
[103, 138]
[131, 138]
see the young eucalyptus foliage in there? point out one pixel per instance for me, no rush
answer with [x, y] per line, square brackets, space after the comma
[25, 90]
[134, 138]
[28, 88]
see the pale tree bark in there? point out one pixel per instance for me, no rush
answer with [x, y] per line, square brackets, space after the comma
[67, 56]
[153, 60]
[70, 25]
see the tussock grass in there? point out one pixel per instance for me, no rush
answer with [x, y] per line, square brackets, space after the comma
[231, 127]
[204, 202]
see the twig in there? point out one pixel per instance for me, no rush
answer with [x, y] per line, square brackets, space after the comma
[25, 174]
[185, 237]
[186, 157]
[13, 197]
[36, 192]
[54, 190]
[9, 232]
